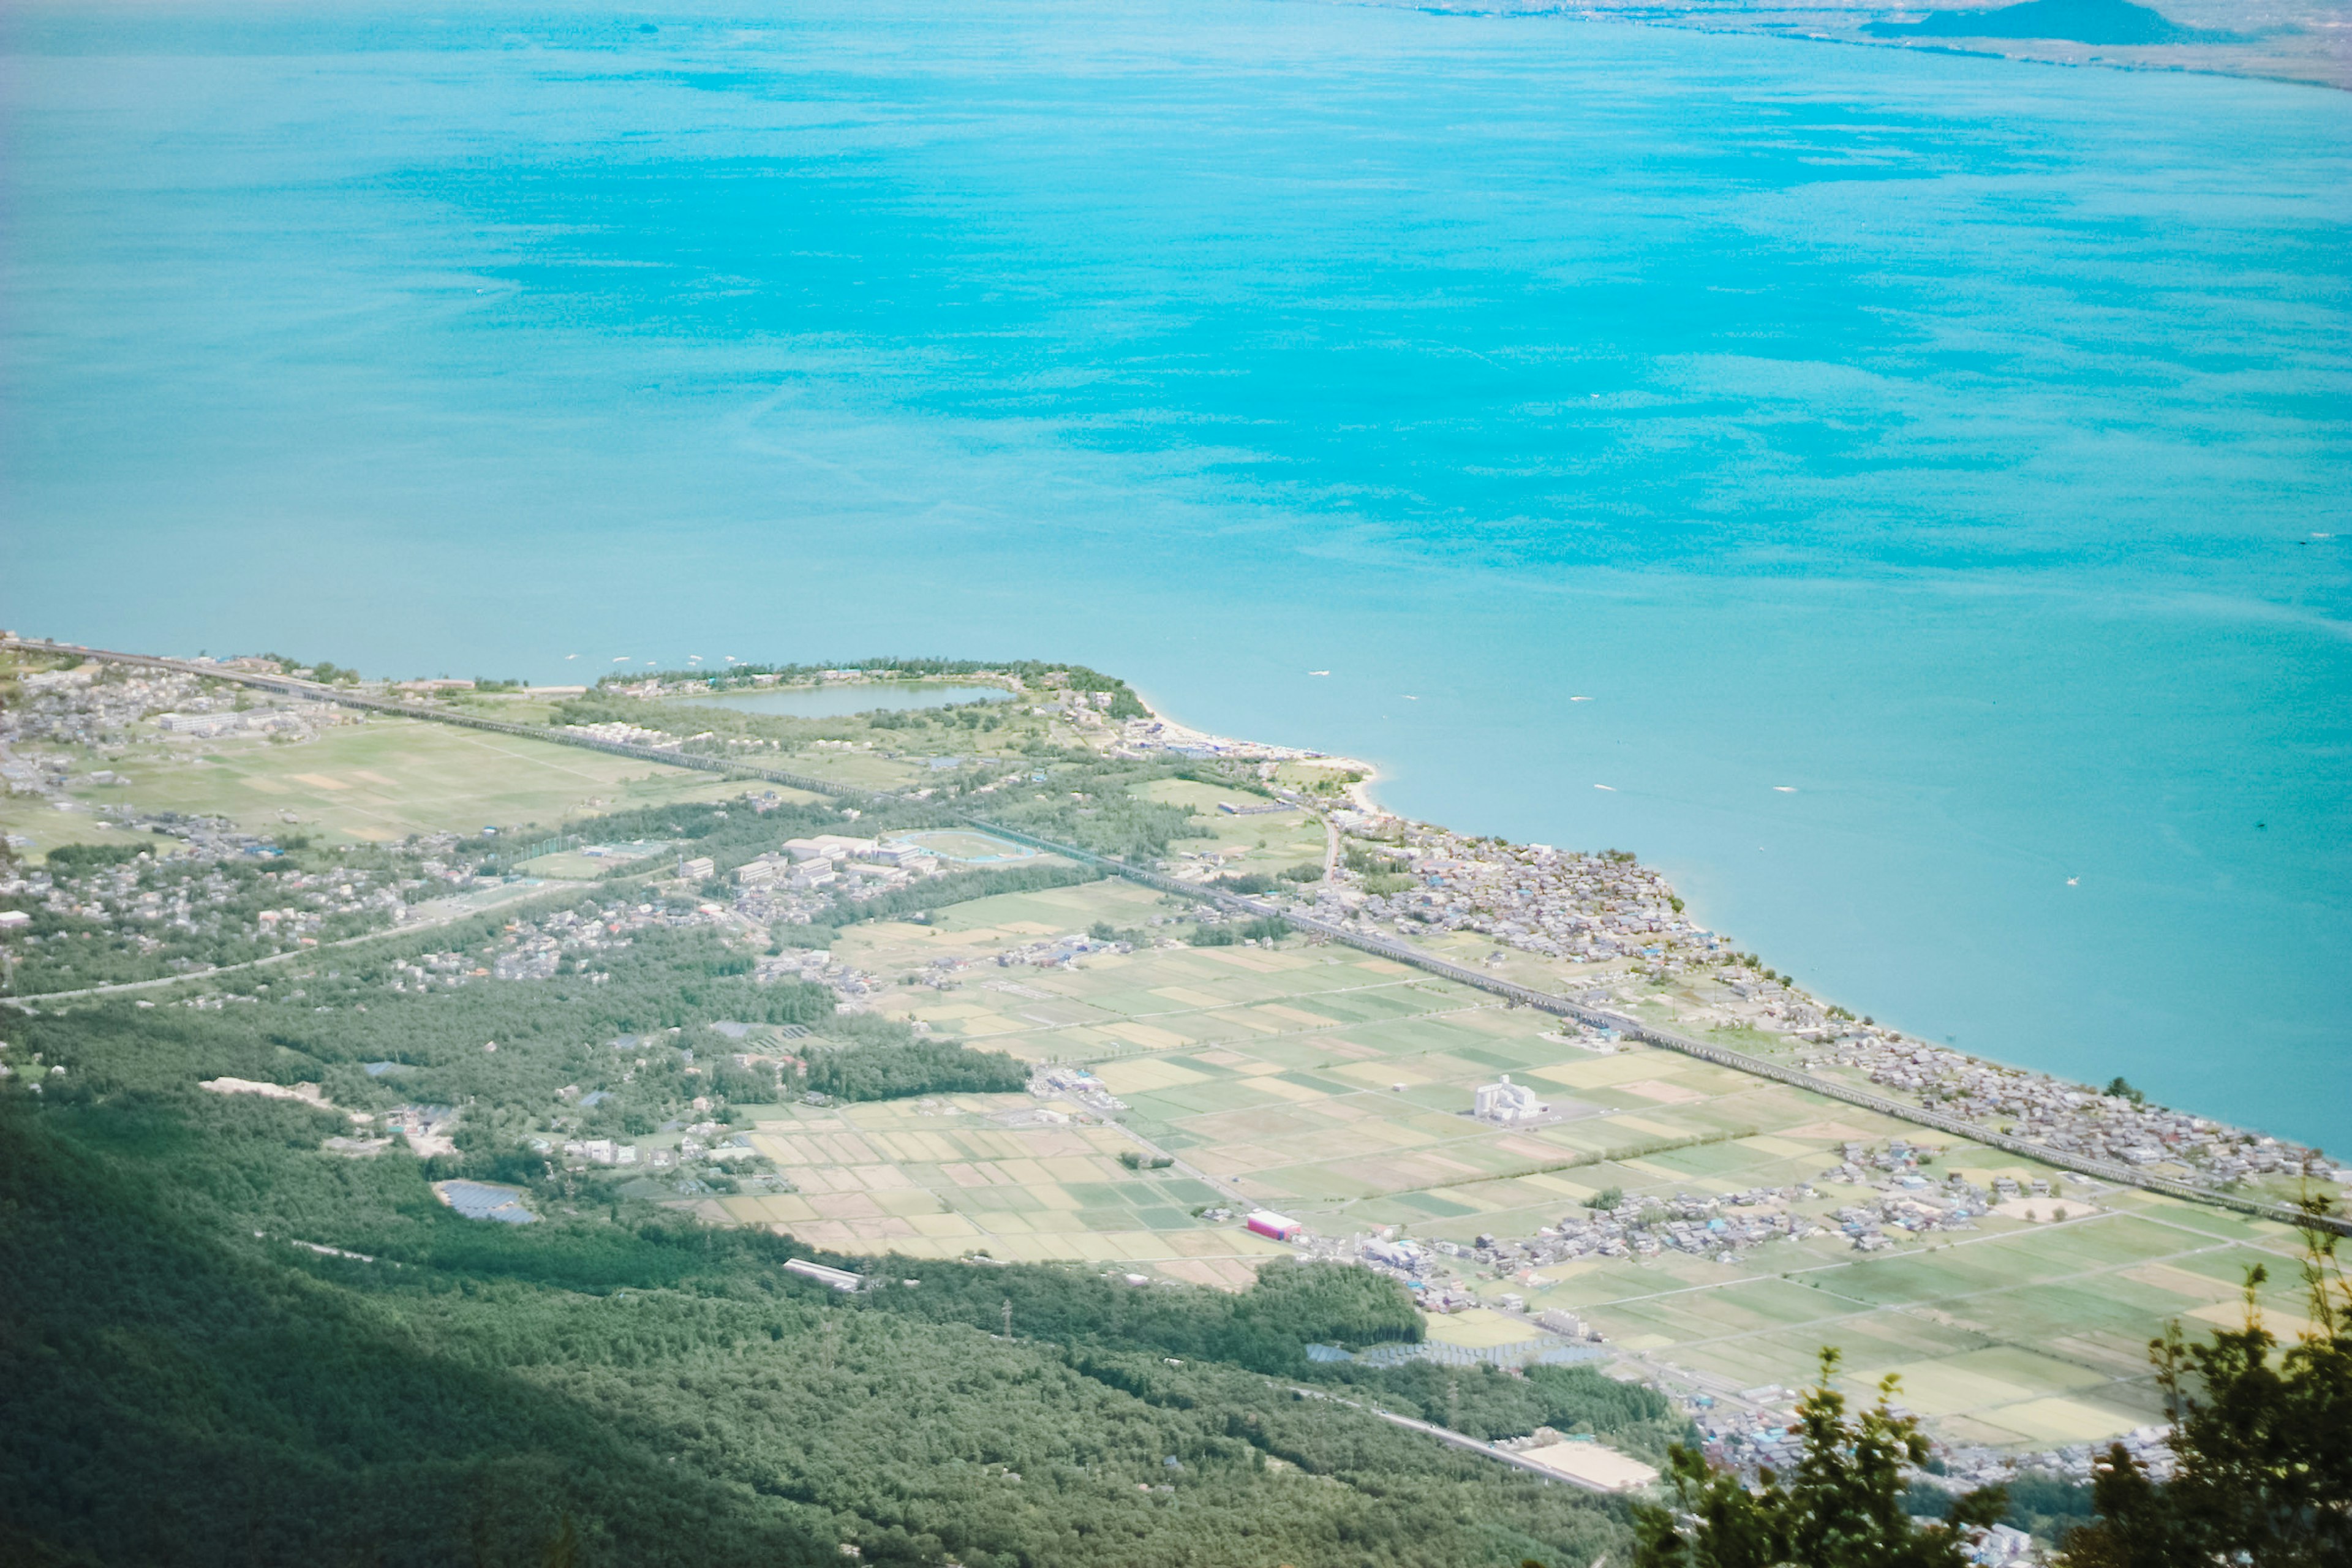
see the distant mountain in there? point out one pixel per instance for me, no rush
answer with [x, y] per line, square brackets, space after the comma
[2078, 21]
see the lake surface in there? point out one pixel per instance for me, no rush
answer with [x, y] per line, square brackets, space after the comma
[1933, 469]
[832, 702]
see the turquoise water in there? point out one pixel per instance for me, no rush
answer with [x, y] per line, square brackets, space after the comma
[1960, 444]
[832, 702]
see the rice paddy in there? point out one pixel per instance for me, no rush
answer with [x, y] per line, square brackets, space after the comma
[1335, 1087]
[384, 780]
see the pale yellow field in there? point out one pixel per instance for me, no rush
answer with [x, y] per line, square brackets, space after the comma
[947, 1177]
[388, 778]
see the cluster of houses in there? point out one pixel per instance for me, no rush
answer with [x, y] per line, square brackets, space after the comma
[817, 966]
[539, 949]
[1077, 1086]
[156, 900]
[629, 735]
[1585, 907]
[1598, 908]
[2120, 1128]
[1138, 739]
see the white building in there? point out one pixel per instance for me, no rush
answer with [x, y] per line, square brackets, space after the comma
[1508, 1102]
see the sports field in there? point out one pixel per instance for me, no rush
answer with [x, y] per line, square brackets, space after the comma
[1335, 1087]
[967, 848]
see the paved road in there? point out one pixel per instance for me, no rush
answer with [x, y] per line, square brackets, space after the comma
[1624, 1024]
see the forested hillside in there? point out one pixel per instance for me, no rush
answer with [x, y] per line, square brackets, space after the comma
[227, 1342]
[186, 1380]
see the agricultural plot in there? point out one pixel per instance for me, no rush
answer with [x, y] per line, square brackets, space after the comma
[388, 778]
[996, 1175]
[1336, 1088]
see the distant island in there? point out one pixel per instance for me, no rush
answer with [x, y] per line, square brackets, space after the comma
[2078, 21]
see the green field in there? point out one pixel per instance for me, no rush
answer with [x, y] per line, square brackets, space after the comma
[1240, 844]
[1333, 1086]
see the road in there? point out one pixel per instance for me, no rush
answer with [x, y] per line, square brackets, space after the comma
[1401, 952]
[1456, 1440]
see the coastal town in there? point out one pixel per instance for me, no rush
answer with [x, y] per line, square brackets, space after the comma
[1262, 827]
[1608, 912]
[1608, 918]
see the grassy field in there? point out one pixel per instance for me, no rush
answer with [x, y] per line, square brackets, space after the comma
[381, 780]
[1335, 1087]
[1242, 844]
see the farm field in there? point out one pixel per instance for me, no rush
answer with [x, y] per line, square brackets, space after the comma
[388, 778]
[1334, 1087]
[953, 1175]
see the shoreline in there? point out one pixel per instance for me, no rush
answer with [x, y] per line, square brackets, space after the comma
[1604, 909]
[2001, 1098]
[1358, 794]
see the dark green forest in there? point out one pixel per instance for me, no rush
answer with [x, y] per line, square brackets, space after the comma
[186, 1382]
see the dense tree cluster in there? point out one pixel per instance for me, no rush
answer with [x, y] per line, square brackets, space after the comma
[916, 1067]
[1096, 811]
[186, 1379]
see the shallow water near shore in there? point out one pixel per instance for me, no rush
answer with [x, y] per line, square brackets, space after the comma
[1934, 470]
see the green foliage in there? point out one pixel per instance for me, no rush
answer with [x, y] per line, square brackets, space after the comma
[2264, 1473]
[2042, 1504]
[1264, 1328]
[175, 1387]
[1248, 883]
[74, 859]
[2120, 1088]
[916, 1067]
[1840, 1507]
[729, 832]
[1308, 871]
[1265, 928]
[1606, 1199]
[1489, 1403]
[1097, 813]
